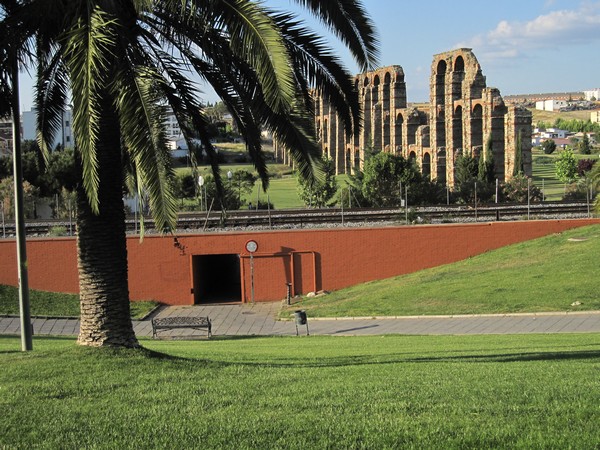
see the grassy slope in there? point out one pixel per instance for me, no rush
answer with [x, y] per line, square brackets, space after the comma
[550, 117]
[531, 391]
[56, 304]
[546, 274]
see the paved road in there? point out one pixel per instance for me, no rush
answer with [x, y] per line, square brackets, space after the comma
[259, 319]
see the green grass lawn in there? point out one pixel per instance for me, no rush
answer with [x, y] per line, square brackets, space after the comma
[546, 274]
[528, 391]
[44, 303]
[544, 173]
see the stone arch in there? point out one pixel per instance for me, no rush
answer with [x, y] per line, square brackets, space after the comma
[440, 130]
[412, 156]
[440, 83]
[412, 128]
[458, 76]
[457, 129]
[387, 79]
[398, 133]
[426, 165]
[386, 132]
[376, 81]
[366, 82]
[477, 126]
[441, 165]
[325, 130]
[498, 136]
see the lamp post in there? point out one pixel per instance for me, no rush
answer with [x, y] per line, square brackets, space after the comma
[229, 177]
[23, 276]
[200, 184]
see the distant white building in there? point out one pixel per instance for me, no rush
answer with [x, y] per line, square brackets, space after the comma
[551, 105]
[538, 136]
[172, 126]
[595, 116]
[592, 94]
[63, 137]
[552, 133]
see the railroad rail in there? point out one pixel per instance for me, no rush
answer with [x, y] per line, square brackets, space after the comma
[299, 218]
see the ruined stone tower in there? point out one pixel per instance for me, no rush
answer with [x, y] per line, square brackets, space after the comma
[462, 116]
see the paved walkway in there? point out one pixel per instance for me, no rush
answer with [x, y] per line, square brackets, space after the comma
[259, 319]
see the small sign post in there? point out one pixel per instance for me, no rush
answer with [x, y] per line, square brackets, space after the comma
[251, 247]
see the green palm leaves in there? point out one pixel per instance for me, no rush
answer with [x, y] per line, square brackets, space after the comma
[144, 56]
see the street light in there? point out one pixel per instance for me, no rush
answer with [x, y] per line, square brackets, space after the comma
[200, 184]
[23, 273]
[229, 177]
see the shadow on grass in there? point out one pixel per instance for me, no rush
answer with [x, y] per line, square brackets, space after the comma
[303, 360]
[370, 360]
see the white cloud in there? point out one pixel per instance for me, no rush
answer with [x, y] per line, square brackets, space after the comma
[557, 29]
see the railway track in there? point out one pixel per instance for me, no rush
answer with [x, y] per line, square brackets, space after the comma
[300, 218]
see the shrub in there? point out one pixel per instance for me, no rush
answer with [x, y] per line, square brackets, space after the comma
[57, 230]
[577, 192]
[515, 190]
[548, 147]
[585, 165]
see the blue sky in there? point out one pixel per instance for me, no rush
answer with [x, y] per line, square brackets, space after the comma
[523, 46]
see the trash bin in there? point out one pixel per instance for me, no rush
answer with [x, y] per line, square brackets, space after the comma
[300, 317]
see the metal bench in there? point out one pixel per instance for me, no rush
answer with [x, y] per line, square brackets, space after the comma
[171, 323]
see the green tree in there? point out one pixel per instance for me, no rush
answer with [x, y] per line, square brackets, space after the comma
[548, 146]
[319, 192]
[7, 197]
[518, 155]
[485, 171]
[243, 183]
[584, 145]
[385, 178]
[566, 166]
[123, 63]
[465, 169]
[61, 172]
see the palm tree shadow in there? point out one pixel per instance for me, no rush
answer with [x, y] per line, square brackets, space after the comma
[367, 360]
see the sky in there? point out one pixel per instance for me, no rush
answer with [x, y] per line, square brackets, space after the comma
[523, 46]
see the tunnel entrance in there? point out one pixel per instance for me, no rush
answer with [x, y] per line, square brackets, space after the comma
[216, 278]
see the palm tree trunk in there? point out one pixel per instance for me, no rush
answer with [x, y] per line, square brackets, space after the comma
[102, 248]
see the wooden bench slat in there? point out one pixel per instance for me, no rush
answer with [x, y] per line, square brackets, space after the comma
[169, 323]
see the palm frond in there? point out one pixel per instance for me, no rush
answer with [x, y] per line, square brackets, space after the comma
[50, 96]
[318, 68]
[142, 125]
[88, 45]
[349, 21]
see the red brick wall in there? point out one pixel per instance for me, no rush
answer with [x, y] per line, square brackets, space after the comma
[310, 259]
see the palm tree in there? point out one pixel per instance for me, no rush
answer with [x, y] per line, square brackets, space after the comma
[124, 63]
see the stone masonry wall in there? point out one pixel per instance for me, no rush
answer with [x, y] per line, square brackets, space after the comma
[462, 116]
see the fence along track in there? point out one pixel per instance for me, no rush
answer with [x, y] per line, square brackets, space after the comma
[298, 218]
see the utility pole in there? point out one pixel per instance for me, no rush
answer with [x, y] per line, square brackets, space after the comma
[25, 316]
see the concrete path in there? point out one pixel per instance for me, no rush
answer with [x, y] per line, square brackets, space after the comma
[259, 320]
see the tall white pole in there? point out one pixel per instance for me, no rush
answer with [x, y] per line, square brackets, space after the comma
[25, 316]
[3, 224]
[476, 201]
[528, 196]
